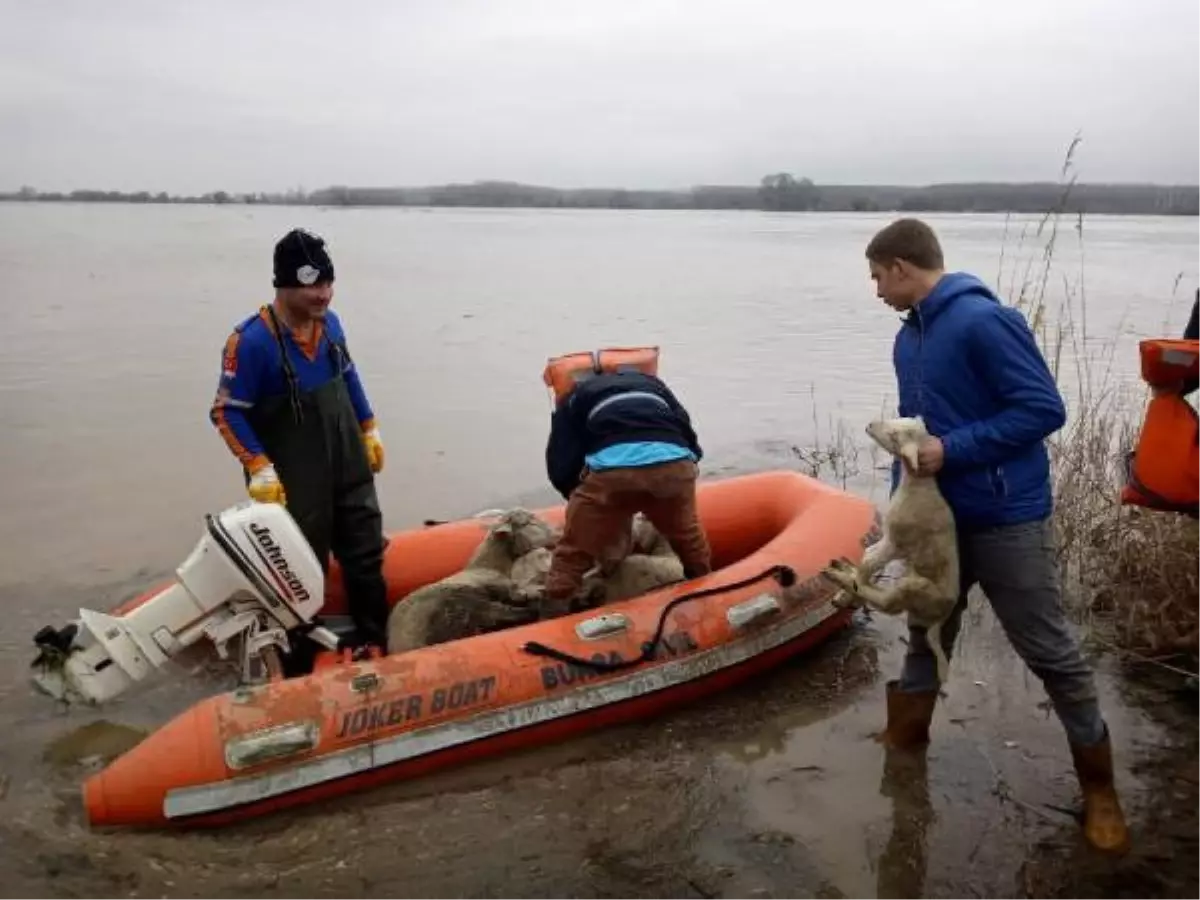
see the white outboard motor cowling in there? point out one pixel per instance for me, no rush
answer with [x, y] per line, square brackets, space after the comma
[252, 579]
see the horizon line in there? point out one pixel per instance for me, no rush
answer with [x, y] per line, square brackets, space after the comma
[1043, 183]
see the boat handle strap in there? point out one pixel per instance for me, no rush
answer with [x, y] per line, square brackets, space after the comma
[785, 575]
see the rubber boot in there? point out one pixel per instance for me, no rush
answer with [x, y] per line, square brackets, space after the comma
[908, 717]
[1103, 822]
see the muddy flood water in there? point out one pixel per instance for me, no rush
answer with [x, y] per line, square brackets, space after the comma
[773, 339]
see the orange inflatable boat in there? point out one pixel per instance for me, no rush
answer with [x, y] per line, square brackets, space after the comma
[351, 725]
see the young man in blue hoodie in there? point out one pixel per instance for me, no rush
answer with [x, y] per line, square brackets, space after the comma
[969, 365]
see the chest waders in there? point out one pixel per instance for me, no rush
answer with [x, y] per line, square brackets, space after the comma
[314, 440]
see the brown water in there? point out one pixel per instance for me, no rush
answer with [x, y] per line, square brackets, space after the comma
[771, 336]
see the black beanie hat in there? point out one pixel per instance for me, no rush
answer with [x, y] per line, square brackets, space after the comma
[301, 260]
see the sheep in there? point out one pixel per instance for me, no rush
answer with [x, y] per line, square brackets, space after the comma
[651, 563]
[529, 572]
[640, 561]
[918, 529]
[478, 599]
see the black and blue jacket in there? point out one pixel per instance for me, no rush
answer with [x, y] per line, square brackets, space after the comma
[611, 410]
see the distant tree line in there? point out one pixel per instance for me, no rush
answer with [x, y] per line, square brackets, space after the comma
[779, 192]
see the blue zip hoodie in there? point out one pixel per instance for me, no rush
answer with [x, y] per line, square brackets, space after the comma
[970, 367]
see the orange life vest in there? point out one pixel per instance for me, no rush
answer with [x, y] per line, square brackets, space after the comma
[1166, 362]
[563, 373]
[1163, 471]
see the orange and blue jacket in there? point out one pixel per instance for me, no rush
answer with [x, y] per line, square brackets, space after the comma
[252, 371]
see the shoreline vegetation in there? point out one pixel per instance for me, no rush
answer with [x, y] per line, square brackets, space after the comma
[1130, 581]
[780, 192]
[1129, 575]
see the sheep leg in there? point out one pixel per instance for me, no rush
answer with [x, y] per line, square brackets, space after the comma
[852, 578]
[843, 573]
[933, 637]
[897, 598]
[867, 594]
[877, 556]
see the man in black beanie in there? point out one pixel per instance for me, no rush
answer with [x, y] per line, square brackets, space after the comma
[291, 407]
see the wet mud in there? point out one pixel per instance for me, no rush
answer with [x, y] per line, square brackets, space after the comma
[773, 789]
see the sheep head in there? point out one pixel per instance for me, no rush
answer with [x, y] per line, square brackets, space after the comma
[900, 437]
[521, 531]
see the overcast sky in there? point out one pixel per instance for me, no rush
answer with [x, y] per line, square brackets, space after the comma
[262, 95]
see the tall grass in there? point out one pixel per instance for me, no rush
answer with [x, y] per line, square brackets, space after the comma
[1129, 574]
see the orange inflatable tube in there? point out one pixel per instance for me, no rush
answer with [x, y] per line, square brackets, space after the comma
[351, 725]
[562, 373]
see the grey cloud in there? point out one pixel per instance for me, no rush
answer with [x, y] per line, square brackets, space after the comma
[656, 93]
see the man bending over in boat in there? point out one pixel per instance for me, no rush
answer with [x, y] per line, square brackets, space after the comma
[291, 406]
[621, 443]
[969, 365]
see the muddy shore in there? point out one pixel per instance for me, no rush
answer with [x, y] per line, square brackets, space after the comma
[770, 790]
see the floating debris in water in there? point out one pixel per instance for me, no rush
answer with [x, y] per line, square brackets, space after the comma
[93, 745]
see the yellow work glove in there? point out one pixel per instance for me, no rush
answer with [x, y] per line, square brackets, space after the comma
[374, 446]
[265, 486]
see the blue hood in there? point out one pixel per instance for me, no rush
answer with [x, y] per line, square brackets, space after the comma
[949, 288]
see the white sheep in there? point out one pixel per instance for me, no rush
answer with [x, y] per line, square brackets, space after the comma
[918, 529]
[640, 561]
[650, 564]
[529, 572]
[478, 599]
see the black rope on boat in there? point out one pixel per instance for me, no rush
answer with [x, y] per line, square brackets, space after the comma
[785, 575]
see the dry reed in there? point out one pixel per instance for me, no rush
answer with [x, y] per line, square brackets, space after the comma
[1130, 574]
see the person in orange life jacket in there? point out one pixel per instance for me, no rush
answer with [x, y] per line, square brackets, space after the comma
[970, 367]
[291, 407]
[621, 443]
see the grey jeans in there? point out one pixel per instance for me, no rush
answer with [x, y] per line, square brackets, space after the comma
[1015, 566]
